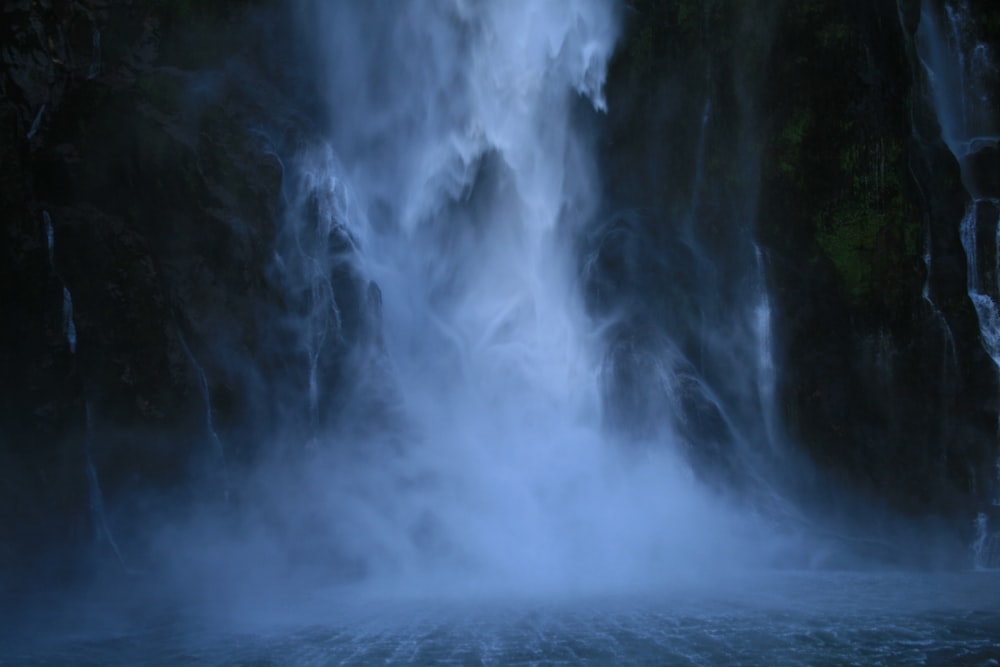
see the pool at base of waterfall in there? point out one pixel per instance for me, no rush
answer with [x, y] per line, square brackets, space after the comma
[788, 618]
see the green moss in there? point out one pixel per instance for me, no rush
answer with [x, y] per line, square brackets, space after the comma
[686, 15]
[865, 230]
[790, 140]
[835, 35]
[641, 52]
[849, 236]
[807, 11]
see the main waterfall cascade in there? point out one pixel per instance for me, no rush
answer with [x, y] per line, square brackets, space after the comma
[963, 75]
[456, 183]
[487, 366]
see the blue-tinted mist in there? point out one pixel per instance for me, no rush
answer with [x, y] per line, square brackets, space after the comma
[472, 444]
[497, 364]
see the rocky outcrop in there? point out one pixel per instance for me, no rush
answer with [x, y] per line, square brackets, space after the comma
[805, 129]
[880, 383]
[150, 138]
[886, 380]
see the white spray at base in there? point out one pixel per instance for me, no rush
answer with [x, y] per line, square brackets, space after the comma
[456, 134]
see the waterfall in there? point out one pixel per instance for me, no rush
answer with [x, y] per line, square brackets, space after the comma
[766, 373]
[964, 81]
[699, 164]
[217, 447]
[98, 518]
[36, 123]
[950, 358]
[459, 172]
[69, 326]
[95, 67]
[984, 297]
[986, 544]
[314, 245]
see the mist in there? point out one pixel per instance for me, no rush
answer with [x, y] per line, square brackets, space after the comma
[438, 330]
[469, 451]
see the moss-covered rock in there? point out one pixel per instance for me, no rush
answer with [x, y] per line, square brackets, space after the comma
[851, 199]
[814, 114]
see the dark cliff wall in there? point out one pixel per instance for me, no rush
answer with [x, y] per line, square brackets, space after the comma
[822, 148]
[151, 136]
[156, 138]
[884, 381]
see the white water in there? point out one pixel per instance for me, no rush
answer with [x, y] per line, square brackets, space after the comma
[766, 372]
[981, 295]
[456, 165]
[963, 76]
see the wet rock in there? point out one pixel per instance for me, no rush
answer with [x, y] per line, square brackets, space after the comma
[981, 171]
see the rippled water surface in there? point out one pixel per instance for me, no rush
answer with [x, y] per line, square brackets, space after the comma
[774, 619]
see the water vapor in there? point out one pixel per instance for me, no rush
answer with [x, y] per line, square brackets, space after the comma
[458, 174]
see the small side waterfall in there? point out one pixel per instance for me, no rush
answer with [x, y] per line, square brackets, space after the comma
[983, 213]
[218, 448]
[766, 373]
[312, 251]
[35, 124]
[98, 518]
[964, 82]
[95, 67]
[699, 165]
[986, 545]
[950, 358]
[69, 326]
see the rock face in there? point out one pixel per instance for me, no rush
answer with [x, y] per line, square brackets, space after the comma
[149, 138]
[775, 178]
[886, 378]
[807, 129]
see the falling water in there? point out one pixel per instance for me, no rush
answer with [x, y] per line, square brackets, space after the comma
[69, 326]
[50, 238]
[98, 518]
[217, 446]
[950, 351]
[457, 172]
[699, 165]
[766, 373]
[452, 189]
[311, 251]
[35, 124]
[982, 296]
[963, 81]
[95, 67]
